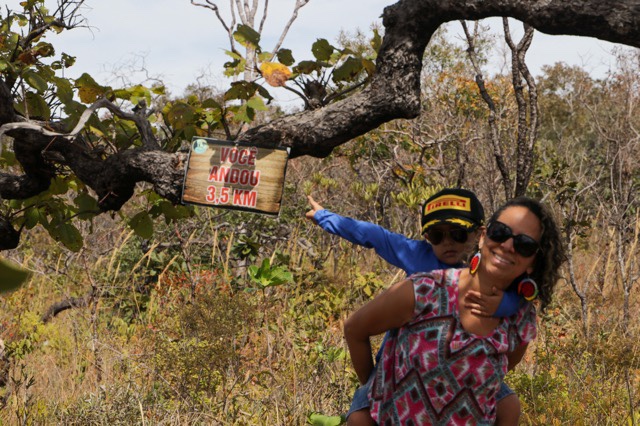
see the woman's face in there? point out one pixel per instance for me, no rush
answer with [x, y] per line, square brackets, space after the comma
[501, 259]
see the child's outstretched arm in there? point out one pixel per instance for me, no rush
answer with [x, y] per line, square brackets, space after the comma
[410, 255]
[498, 304]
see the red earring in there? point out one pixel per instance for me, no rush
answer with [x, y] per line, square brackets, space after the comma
[528, 289]
[475, 263]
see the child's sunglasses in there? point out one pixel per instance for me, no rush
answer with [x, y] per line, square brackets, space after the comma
[436, 236]
[522, 244]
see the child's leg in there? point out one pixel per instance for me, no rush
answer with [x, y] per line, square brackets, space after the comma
[508, 407]
[360, 418]
[359, 411]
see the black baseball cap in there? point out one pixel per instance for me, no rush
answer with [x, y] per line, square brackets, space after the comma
[453, 206]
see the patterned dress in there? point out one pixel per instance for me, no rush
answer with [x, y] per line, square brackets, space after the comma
[433, 372]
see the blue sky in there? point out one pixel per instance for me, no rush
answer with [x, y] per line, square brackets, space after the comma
[178, 42]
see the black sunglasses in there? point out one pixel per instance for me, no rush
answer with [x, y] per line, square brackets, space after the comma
[522, 244]
[436, 236]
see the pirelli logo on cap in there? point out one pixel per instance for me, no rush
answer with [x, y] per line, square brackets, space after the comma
[448, 202]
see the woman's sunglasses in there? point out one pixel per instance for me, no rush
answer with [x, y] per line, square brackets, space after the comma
[436, 236]
[522, 244]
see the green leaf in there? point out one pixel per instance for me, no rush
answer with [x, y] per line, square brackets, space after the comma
[174, 212]
[8, 157]
[264, 57]
[63, 89]
[257, 103]
[244, 113]
[88, 89]
[142, 225]
[376, 41]
[87, 205]
[247, 36]
[11, 276]
[317, 419]
[68, 235]
[58, 186]
[348, 71]
[180, 115]
[32, 217]
[4, 65]
[159, 89]
[35, 81]
[242, 90]
[211, 103]
[285, 57]
[139, 93]
[68, 60]
[307, 67]
[322, 50]
[36, 107]
[44, 49]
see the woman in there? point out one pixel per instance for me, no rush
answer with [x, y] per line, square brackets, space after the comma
[444, 364]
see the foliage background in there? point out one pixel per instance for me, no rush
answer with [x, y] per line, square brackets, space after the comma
[205, 316]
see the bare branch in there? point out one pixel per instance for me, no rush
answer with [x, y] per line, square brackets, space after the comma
[493, 116]
[294, 15]
[216, 10]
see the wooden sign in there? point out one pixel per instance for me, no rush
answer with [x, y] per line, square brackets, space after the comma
[235, 176]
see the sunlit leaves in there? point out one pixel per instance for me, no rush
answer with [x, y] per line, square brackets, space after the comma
[34, 80]
[236, 66]
[88, 90]
[267, 275]
[316, 419]
[376, 41]
[43, 50]
[135, 94]
[256, 103]
[275, 74]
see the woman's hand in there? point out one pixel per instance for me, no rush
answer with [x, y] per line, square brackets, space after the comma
[484, 305]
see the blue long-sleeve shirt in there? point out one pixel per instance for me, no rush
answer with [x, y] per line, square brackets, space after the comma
[405, 253]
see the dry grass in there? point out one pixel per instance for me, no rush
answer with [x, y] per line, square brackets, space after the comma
[202, 346]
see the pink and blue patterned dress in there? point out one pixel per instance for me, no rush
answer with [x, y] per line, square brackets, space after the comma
[433, 372]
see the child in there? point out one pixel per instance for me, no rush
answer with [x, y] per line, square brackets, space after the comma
[451, 223]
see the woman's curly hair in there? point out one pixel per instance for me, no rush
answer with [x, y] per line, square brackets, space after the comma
[551, 254]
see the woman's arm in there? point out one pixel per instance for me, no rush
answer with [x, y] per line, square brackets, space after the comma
[391, 309]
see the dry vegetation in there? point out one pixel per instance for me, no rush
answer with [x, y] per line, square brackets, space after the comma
[174, 331]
